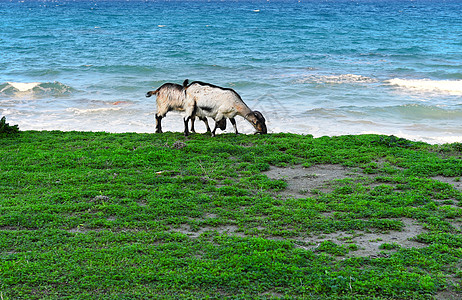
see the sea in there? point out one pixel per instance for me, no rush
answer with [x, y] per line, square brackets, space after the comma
[318, 67]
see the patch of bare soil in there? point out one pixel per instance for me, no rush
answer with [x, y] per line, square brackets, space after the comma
[449, 295]
[301, 181]
[224, 229]
[369, 243]
[457, 184]
[228, 229]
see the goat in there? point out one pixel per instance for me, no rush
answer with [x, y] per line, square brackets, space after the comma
[208, 100]
[171, 96]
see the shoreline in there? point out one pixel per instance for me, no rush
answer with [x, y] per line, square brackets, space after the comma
[230, 132]
[145, 123]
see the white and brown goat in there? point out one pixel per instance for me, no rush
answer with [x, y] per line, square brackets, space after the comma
[171, 96]
[208, 100]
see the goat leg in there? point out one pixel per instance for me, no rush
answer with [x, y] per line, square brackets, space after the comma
[158, 124]
[193, 130]
[186, 120]
[233, 121]
[214, 129]
[204, 119]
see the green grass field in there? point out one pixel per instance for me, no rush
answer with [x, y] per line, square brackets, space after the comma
[88, 215]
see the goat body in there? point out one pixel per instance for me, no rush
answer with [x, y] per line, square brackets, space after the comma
[171, 96]
[207, 100]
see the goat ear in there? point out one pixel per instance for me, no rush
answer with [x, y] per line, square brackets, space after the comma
[185, 83]
[259, 116]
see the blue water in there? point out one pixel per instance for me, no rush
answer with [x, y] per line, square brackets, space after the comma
[311, 67]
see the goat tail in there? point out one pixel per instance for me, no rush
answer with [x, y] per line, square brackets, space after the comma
[150, 93]
[185, 83]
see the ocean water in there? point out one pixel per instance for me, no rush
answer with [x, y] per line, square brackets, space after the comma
[315, 67]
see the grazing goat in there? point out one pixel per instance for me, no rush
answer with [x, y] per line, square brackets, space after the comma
[207, 100]
[171, 96]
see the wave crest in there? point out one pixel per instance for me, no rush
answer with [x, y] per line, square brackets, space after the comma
[36, 88]
[336, 79]
[452, 87]
[101, 110]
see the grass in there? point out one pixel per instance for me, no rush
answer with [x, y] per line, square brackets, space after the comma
[137, 216]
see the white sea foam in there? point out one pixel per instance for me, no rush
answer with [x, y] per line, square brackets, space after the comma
[23, 86]
[452, 87]
[37, 88]
[336, 79]
[78, 111]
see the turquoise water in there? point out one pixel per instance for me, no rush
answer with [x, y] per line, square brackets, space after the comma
[311, 67]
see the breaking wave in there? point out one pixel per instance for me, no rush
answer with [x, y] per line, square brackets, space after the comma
[36, 88]
[336, 79]
[78, 111]
[451, 87]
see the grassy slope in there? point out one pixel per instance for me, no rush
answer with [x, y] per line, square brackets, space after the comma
[98, 215]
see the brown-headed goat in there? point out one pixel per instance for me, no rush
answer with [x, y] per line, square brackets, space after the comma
[208, 100]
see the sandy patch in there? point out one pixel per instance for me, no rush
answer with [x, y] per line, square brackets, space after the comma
[369, 243]
[454, 181]
[226, 229]
[302, 180]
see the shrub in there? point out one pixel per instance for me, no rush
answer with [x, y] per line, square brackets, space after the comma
[7, 128]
